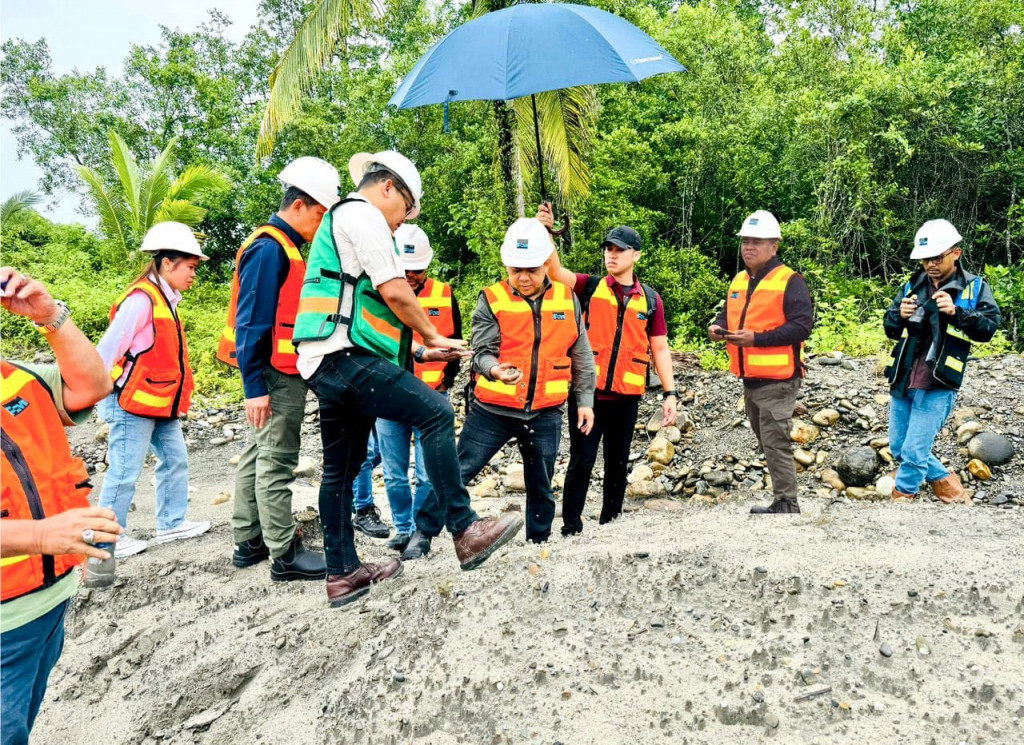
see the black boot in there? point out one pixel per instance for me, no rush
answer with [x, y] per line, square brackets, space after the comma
[368, 521]
[399, 542]
[778, 507]
[298, 563]
[417, 547]
[250, 553]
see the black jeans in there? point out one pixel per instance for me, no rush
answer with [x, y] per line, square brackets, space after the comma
[483, 435]
[614, 420]
[354, 389]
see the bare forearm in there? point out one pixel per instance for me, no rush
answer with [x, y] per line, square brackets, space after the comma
[403, 303]
[18, 537]
[559, 273]
[663, 362]
[86, 379]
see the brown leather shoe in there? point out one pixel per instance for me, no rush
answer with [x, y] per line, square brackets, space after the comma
[950, 490]
[342, 589]
[897, 494]
[481, 539]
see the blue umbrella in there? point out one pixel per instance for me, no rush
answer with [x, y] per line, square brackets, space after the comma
[528, 49]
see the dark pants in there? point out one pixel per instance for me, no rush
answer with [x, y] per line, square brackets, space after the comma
[614, 420]
[483, 435]
[354, 389]
[769, 408]
[29, 653]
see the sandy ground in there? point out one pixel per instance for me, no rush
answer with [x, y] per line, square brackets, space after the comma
[854, 622]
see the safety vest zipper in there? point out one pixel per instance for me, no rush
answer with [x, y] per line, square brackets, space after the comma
[35, 503]
[535, 367]
[610, 372]
[743, 319]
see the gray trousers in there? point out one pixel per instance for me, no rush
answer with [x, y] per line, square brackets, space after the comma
[769, 408]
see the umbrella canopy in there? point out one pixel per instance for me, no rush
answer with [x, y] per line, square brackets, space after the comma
[532, 48]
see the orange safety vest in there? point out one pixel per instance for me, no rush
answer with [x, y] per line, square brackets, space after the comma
[159, 383]
[618, 334]
[40, 477]
[436, 300]
[537, 343]
[283, 356]
[761, 311]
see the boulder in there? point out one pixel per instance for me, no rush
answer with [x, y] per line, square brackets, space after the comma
[645, 489]
[804, 433]
[992, 448]
[856, 466]
[826, 417]
[661, 451]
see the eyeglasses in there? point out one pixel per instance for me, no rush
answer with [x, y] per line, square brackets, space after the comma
[407, 198]
[938, 259]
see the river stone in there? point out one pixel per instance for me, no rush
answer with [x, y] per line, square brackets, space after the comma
[644, 489]
[671, 433]
[641, 472]
[979, 470]
[656, 422]
[661, 451]
[663, 505]
[515, 479]
[826, 417]
[856, 466]
[719, 478]
[486, 489]
[804, 433]
[991, 447]
[803, 457]
[885, 485]
[967, 430]
[830, 477]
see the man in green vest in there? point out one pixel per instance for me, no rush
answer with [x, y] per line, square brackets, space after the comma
[356, 318]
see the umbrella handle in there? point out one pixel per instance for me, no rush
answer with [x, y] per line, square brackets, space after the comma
[562, 230]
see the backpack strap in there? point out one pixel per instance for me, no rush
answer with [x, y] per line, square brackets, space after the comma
[589, 289]
[652, 305]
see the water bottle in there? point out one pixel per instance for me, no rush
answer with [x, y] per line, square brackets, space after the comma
[101, 572]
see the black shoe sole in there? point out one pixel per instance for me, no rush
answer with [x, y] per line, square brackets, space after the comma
[504, 538]
[251, 562]
[400, 547]
[292, 576]
[353, 596]
[370, 533]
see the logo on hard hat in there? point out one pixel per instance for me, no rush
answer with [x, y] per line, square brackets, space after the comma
[753, 221]
[922, 241]
[409, 248]
[522, 243]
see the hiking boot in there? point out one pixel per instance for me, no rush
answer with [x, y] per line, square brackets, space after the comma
[185, 529]
[342, 589]
[399, 542]
[100, 572]
[250, 553]
[368, 521]
[950, 490]
[778, 507]
[902, 495]
[127, 546]
[297, 563]
[475, 544]
[417, 547]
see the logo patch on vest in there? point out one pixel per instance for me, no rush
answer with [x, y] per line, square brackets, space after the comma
[434, 312]
[734, 295]
[16, 405]
[641, 316]
[558, 316]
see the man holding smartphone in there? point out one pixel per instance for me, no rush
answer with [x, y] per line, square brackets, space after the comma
[766, 320]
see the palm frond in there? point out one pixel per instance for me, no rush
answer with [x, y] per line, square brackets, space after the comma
[19, 200]
[156, 185]
[567, 119]
[112, 212]
[325, 29]
[198, 181]
[179, 210]
[128, 173]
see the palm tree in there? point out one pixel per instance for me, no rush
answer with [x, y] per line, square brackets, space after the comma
[18, 201]
[142, 197]
[565, 117]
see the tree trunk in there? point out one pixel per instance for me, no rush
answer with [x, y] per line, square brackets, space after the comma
[504, 115]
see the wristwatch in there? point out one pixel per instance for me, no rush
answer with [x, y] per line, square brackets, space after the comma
[62, 316]
[418, 354]
[666, 394]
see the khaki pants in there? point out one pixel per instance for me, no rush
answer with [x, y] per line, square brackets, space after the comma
[770, 410]
[263, 501]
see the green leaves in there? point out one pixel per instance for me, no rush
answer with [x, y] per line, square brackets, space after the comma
[19, 200]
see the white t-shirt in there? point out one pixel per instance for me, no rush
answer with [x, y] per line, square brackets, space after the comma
[365, 244]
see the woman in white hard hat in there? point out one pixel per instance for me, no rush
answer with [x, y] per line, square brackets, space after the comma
[146, 352]
[935, 317]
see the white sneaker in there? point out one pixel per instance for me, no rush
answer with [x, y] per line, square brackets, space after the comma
[187, 529]
[128, 546]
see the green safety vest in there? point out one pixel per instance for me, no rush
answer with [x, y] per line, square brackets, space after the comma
[372, 326]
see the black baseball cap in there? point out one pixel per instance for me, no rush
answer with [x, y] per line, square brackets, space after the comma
[623, 237]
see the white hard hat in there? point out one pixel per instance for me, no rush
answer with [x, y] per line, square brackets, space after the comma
[414, 246]
[761, 224]
[527, 244]
[316, 177]
[172, 236]
[362, 163]
[934, 238]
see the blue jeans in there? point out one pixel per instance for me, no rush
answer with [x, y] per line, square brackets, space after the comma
[130, 438]
[355, 388]
[394, 449]
[27, 655]
[362, 487]
[914, 421]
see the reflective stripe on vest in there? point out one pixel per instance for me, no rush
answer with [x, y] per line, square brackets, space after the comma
[283, 356]
[544, 359]
[159, 383]
[762, 311]
[436, 300]
[39, 477]
[618, 335]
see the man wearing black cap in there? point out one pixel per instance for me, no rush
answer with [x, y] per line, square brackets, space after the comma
[626, 325]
